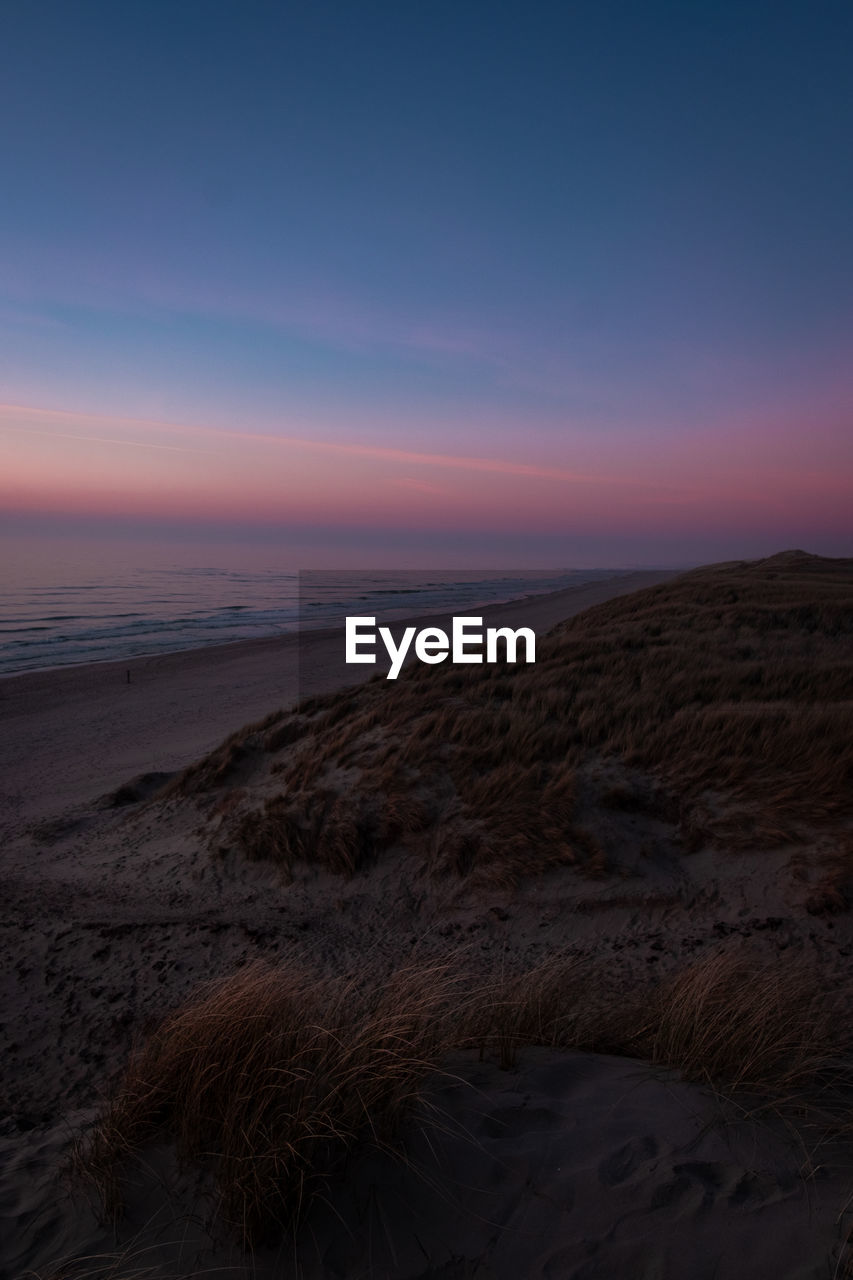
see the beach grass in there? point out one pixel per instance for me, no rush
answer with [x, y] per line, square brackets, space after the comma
[269, 1077]
[272, 1078]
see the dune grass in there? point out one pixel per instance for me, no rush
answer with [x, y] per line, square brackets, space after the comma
[269, 1078]
[272, 1077]
[746, 1022]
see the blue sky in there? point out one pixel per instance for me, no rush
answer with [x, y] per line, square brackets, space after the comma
[603, 239]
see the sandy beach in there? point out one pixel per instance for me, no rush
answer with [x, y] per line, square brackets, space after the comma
[126, 886]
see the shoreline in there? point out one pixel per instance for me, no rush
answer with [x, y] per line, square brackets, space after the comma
[488, 610]
[296, 631]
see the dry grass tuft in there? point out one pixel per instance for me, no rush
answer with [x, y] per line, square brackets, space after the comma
[268, 1078]
[731, 1019]
[734, 1019]
[564, 1002]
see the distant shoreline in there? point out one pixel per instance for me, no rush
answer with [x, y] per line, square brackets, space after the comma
[293, 636]
[295, 632]
[47, 624]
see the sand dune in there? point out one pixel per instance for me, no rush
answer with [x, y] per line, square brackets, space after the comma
[125, 887]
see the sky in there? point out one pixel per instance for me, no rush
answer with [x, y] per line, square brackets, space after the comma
[504, 283]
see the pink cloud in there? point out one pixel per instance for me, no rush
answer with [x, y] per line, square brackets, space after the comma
[65, 462]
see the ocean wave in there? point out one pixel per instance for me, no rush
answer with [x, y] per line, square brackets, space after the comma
[203, 606]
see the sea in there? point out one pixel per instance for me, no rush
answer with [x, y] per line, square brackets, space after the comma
[65, 609]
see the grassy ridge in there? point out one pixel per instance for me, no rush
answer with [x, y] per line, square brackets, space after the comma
[730, 688]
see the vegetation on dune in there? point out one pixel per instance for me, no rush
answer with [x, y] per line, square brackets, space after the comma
[724, 700]
[730, 687]
[271, 1078]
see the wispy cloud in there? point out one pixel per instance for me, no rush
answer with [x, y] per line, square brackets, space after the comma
[27, 419]
[316, 311]
[75, 435]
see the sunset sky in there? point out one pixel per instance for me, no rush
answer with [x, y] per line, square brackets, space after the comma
[551, 284]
